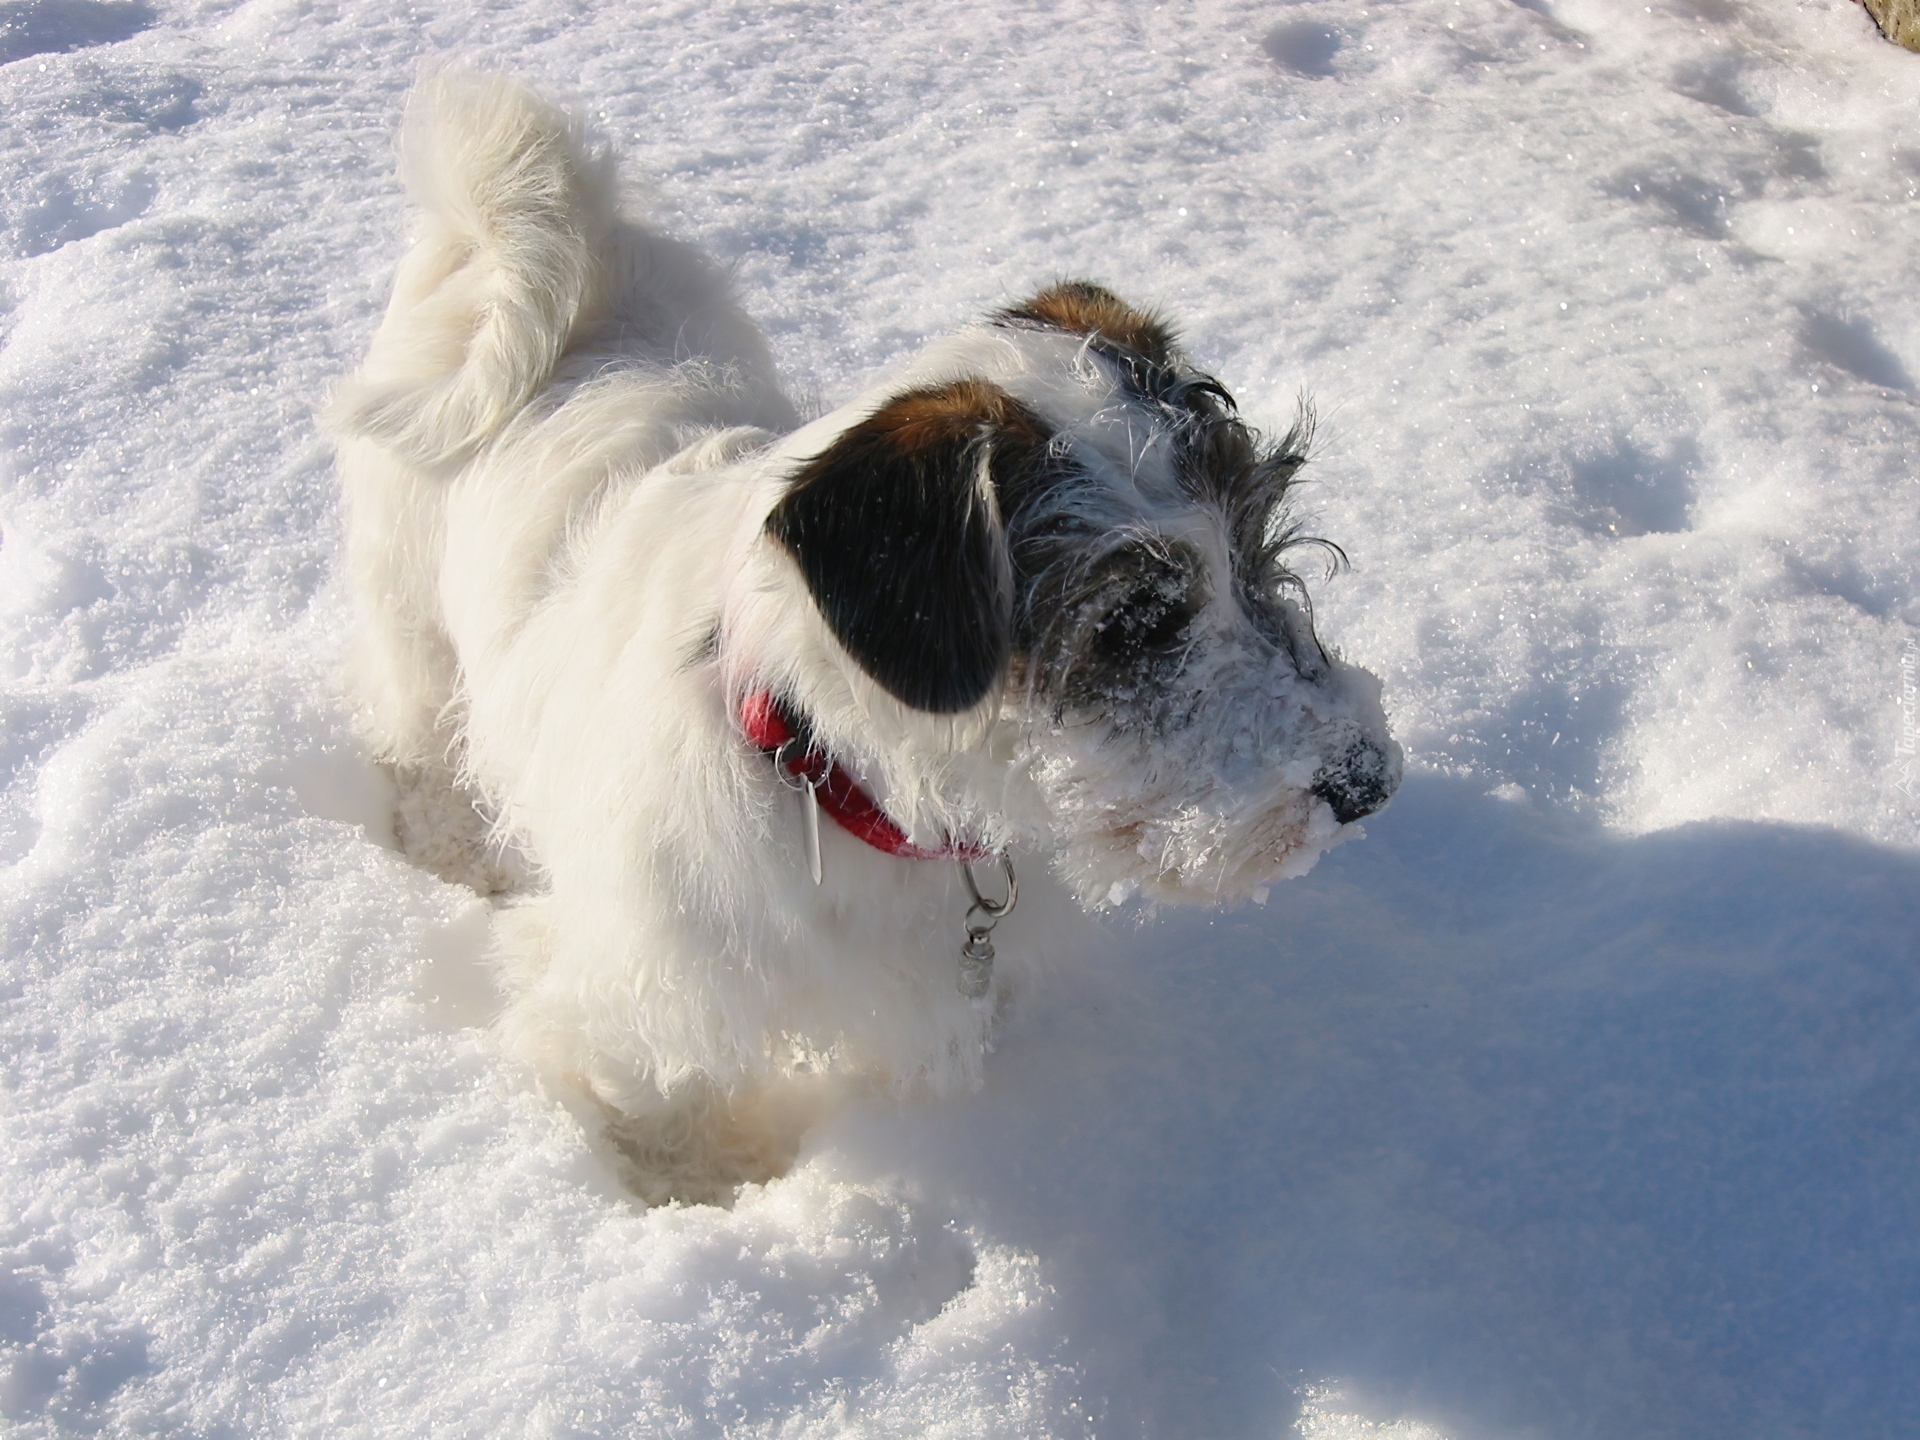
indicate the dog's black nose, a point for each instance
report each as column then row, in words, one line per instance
column 1359, row 785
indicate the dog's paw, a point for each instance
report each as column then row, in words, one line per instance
column 700, row 1144
column 441, row 827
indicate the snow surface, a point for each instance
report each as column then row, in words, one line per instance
column 1582, row 1099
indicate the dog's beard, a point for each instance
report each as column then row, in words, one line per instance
column 1203, row 791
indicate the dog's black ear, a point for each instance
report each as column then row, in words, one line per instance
column 897, row 528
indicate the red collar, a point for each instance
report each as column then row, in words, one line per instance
column 770, row 728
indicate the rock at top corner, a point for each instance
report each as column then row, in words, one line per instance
column 1899, row 20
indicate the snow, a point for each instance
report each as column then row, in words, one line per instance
column 1581, row 1099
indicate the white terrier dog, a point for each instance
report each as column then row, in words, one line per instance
column 1027, row 597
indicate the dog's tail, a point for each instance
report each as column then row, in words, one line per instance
column 518, row 205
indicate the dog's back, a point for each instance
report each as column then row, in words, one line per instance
column 525, row 291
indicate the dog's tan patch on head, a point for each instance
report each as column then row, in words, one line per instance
column 1082, row 308
column 924, row 420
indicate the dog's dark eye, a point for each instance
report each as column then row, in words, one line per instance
column 1124, row 626
column 1150, row 620
column 1143, row 611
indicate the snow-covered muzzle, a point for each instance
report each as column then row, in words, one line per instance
column 1187, row 753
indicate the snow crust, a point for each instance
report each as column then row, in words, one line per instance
column 1579, row 1100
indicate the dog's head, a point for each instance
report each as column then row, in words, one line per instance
column 1054, row 552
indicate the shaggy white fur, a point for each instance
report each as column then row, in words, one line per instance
column 562, row 463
